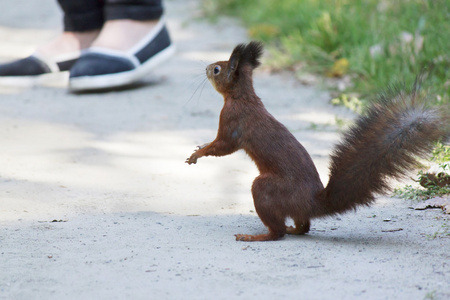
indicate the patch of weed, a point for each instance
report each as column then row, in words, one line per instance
column 374, row 42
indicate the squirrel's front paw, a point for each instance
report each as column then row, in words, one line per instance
column 192, row 159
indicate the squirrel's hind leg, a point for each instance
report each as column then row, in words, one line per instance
column 277, row 229
column 265, row 191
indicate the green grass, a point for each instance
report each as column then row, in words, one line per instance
column 441, row 156
column 376, row 42
column 419, row 193
column 444, row 231
column 441, row 153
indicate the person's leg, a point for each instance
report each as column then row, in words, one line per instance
column 127, row 22
column 82, row 22
column 133, row 40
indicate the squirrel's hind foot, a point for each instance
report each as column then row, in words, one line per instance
column 257, row 238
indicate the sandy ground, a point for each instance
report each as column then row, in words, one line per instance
column 136, row 222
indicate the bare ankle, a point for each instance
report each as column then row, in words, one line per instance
column 86, row 38
column 68, row 42
column 122, row 35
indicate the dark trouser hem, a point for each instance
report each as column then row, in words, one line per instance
column 137, row 12
column 82, row 15
column 86, row 15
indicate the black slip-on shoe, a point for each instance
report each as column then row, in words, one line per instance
column 37, row 69
column 101, row 68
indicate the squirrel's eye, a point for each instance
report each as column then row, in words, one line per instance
column 216, row 70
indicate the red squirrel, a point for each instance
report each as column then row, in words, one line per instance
column 382, row 144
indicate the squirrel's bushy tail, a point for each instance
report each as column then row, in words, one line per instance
column 384, row 143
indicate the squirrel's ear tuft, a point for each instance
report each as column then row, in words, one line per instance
column 246, row 54
column 252, row 53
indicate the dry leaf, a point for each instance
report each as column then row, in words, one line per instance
column 438, row 202
column 339, row 68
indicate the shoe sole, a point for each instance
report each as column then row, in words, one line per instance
column 106, row 81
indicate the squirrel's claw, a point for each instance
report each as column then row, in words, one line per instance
column 243, row 237
column 192, row 159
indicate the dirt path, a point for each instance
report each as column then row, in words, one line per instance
column 136, row 222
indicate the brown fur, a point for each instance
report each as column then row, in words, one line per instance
column 381, row 144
